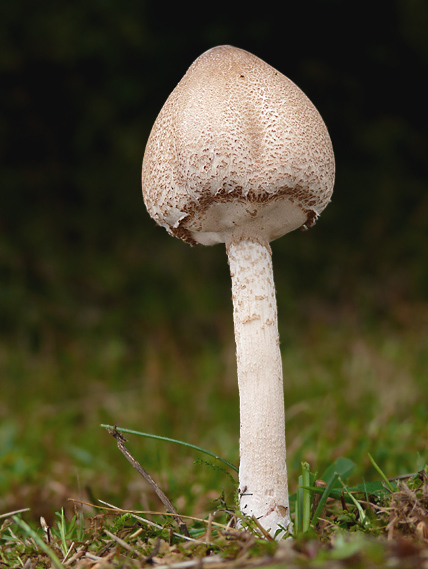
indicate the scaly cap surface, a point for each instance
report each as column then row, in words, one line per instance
column 237, row 150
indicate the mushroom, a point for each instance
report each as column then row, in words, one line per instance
column 239, row 155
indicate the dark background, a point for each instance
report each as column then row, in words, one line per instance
column 104, row 318
column 82, row 83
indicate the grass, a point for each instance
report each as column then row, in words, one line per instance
column 163, row 362
column 365, row 526
column 349, row 393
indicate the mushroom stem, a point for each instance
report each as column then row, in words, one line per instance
column 263, row 483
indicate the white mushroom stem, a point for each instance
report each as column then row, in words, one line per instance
column 239, row 155
column 262, row 472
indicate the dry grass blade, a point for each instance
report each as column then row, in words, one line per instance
column 139, row 518
column 79, row 553
column 201, row 562
column 408, row 511
column 118, row 540
column 10, row 514
column 108, row 506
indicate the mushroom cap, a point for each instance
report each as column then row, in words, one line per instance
column 237, row 151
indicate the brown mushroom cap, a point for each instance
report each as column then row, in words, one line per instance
column 237, row 150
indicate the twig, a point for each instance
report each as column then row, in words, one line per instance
column 262, row 529
column 120, row 439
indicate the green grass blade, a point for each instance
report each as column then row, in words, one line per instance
column 63, row 532
column 168, row 440
column 364, row 520
column 381, row 473
column 302, row 510
column 324, row 497
column 306, row 497
column 298, row 507
column 39, row 541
